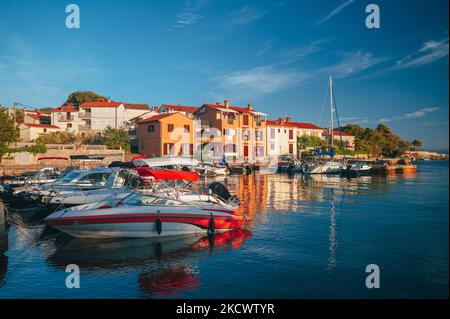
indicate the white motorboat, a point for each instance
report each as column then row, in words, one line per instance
column 329, row 167
column 209, row 169
column 169, row 162
column 145, row 215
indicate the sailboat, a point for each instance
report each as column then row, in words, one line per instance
column 327, row 166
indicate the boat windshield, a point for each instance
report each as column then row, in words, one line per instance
column 138, row 199
column 70, row 177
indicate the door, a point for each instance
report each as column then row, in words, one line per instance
column 245, row 150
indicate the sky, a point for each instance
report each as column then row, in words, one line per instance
column 276, row 55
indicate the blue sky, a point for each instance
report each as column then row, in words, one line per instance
column 276, row 55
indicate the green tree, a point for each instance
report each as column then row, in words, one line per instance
column 57, row 138
column 80, row 97
column 117, row 139
column 7, row 132
column 38, row 148
column 416, row 143
column 305, row 141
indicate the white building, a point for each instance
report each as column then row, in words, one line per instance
column 281, row 138
column 29, row 132
column 96, row 116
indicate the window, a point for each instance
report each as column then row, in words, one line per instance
column 272, row 146
column 259, row 135
column 45, row 130
column 151, row 128
column 187, row 149
column 94, row 179
column 168, row 147
column 69, row 125
column 291, row 148
column 245, row 135
column 259, row 151
column 187, row 129
column 291, row 134
column 272, row 133
column 170, row 127
column 245, row 119
column 279, row 130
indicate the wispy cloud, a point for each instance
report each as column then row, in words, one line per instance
column 335, row 11
column 412, row 115
column 244, row 16
column 189, row 15
column 298, row 53
column 430, row 52
column 266, row 46
column 259, row 81
column 352, row 63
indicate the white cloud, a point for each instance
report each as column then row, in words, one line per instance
column 412, row 115
column 253, row 83
column 335, row 11
column 352, row 63
column 430, row 52
column 299, row 53
column 243, row 16
column 266, row 46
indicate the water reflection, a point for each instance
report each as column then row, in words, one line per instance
column 3, row 250
column 166, row 265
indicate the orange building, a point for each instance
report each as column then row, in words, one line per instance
column 233, row 132
column 166, row 135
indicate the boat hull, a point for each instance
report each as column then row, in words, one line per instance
column 121, row 223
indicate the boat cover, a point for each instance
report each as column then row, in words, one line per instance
column 167, row 174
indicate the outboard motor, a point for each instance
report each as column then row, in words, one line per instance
column 220, row 190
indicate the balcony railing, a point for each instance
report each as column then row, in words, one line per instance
column 85, row 127
column 65, row 118
column 84, row 115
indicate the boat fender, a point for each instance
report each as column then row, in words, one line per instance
column 211, row 225
column 158, row 224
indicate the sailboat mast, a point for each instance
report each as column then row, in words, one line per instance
column 331, row 111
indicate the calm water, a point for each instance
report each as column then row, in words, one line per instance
column 311, row 238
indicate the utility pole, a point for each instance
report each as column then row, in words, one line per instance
column 14, row 122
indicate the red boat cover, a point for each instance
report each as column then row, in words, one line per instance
column 53, row 158
column 139, row 157
column 167, row 174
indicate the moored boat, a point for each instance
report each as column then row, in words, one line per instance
column 146, row 215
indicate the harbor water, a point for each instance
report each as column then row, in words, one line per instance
column 311, row 237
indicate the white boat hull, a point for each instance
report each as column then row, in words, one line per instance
column 327, row 168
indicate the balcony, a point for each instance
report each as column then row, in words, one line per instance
column 85, row 127
column 65, row 118
column 84, row 115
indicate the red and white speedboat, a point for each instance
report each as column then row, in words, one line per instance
column 146, row 215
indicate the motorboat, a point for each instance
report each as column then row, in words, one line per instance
column 168, row 162
column 328, row 167
column 146, row 215
column 210, row 169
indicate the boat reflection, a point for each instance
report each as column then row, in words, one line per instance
column 166, row 266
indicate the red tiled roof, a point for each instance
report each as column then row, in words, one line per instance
column 294, row 124
column 101, row 104
column 181, row 108
column 131, row 106
column 41, row 125
column 156, row 118
column 336, row 132
column 234, row 108
column 65, row 108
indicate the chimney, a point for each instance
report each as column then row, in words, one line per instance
column 288, row 118
column 109, row 100
column 250, row 107
column 155, row 109
column 281, row 121
column 227, row 104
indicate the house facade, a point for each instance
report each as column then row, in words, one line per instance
column 233, row 132
column 97, row 116
column 66, row 117
column 29, row 132
column 167, row 134
column 281, row 138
